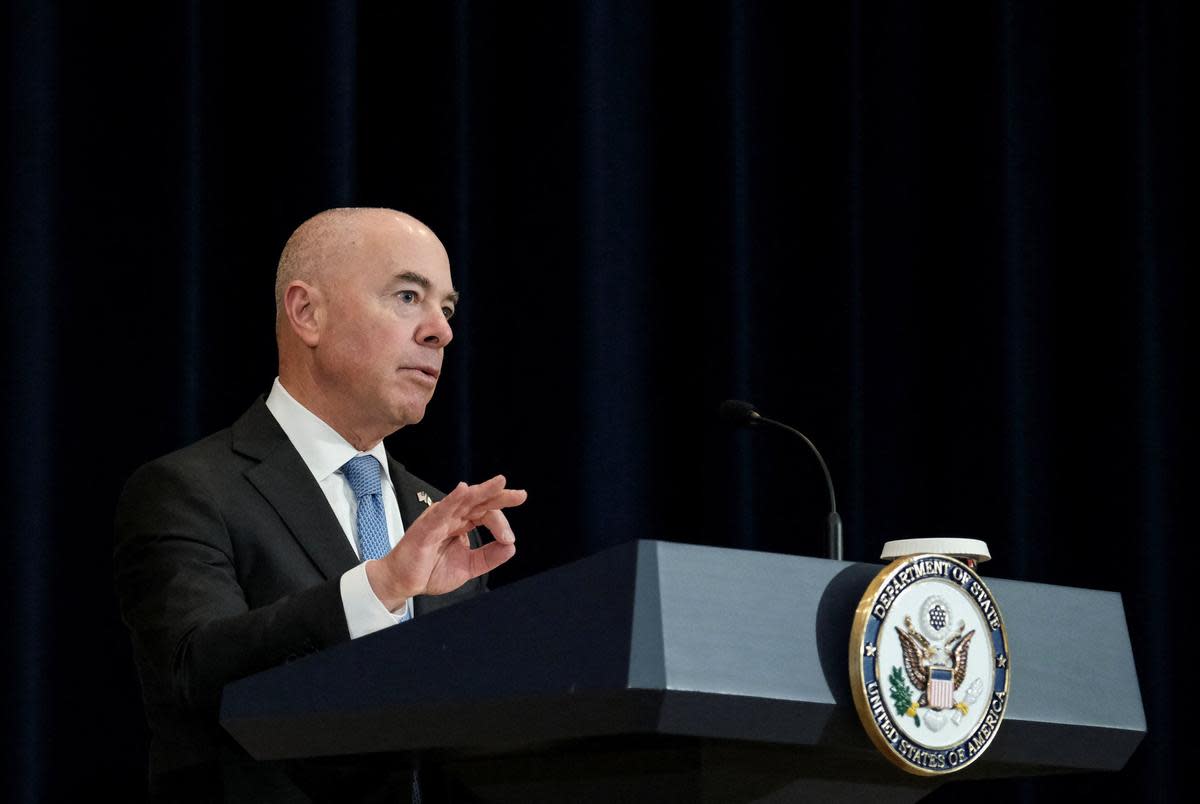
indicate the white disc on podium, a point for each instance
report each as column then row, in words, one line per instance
column 974, row 549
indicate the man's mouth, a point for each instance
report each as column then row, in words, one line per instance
column 427, row 371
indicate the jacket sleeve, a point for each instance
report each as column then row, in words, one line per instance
column 179, row 593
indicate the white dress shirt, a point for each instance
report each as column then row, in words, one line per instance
column 325, row 452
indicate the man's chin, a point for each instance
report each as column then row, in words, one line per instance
column 409, row 413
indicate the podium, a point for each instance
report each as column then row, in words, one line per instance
column 658, row 671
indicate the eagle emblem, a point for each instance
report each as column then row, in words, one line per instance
column 935, row 662
column 937, row 671
column 929, row 663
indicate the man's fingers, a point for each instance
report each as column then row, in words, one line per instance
column 471, row 502
column 467, row 507
column 438, row 542
column 490, row 556
column 497, row 525
column 465, row 498
column 508, row 498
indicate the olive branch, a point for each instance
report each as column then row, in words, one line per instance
column 902, row 695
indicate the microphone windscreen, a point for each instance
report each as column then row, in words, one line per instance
column 737, row 413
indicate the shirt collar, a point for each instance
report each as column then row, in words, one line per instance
column 322, row 448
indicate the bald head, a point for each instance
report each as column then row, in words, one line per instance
column 363, row 301
column 325, row 242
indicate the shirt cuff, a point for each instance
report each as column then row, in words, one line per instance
column 365, row 613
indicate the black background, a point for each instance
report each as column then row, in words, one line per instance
column 945, row 240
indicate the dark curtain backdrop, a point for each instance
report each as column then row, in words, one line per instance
column 947, row 241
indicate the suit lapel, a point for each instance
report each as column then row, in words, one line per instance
column 283, row 479
column 407, row 488
column 407, row 492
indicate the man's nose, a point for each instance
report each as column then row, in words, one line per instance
column 435, row 330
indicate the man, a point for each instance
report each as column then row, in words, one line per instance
column 294, row 530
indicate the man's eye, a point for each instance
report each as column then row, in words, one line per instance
column 407, row 296
column 448, row 312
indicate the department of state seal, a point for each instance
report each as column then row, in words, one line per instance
column 929, row 665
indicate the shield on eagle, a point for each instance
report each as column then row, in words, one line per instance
column 941, row 688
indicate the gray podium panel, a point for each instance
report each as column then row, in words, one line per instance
column 660, row 668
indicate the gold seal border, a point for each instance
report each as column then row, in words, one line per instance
column 858, row 682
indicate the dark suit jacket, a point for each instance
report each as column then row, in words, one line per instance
column 228, row 561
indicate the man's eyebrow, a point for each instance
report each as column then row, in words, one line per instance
column 415, row 278
column 425, row 284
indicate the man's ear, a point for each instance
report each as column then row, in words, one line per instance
column 304, row 305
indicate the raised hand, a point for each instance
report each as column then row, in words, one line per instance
column 435, row 557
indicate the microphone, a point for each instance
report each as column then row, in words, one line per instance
column 742, row 414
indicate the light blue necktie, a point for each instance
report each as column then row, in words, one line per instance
column 364, row 474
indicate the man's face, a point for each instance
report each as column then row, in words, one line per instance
column 388, row 299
